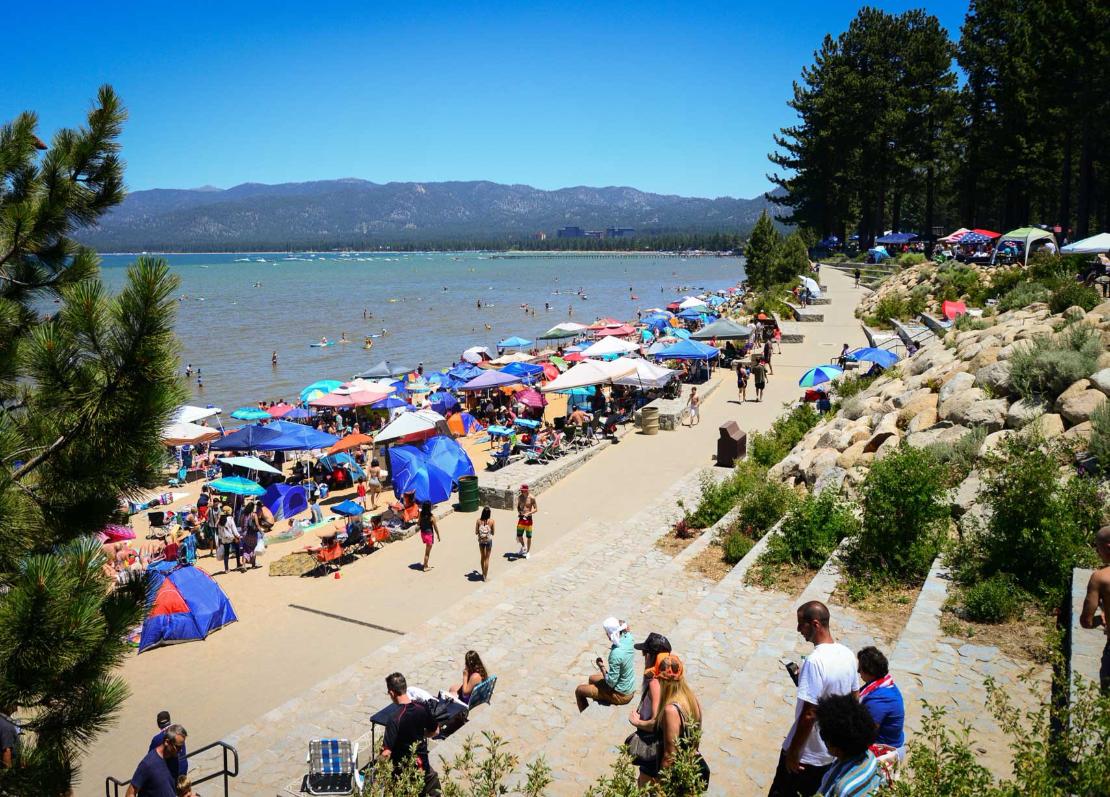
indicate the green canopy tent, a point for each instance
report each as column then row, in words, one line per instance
column 1025, row 237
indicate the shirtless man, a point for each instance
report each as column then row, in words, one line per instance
column 1098, row 594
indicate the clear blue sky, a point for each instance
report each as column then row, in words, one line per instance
column 679, row 97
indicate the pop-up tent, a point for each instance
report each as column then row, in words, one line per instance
column 285, row 500
column 1024, row 237
column 1089, row 246
column 185, row 604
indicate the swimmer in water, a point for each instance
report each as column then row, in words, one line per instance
column 323, row 341
column 273, row 359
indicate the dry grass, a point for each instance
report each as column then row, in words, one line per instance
column 885, row 609
column 671, row 544
column 787, row 577
column 710, row 563
column 1028, row 638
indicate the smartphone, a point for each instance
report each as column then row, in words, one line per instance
column 792, row 670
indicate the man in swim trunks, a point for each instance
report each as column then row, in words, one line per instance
column 1098, row 595
column 526, row 507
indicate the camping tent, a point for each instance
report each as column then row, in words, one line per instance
column 1089, row 246
column 285, row 500
column 185, row 604
column 1024, row 237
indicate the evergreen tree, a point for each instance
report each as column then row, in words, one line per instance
column 761, row 253
column 792, row 258
column 84, row 394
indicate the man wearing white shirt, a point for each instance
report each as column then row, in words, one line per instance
column 829, row 670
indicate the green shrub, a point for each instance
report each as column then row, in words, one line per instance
column 1100, row 436
column 851, row 384
column 957, row 281
column 1073, row 294
column 736, row 546
column 958, row 457
column 910, row 259
column 1048, row 365
column 904, row 518
column 811, row 532
column 763, row 507
column 1022, row 295
column 718, row 497
column 1040, row 524
column 968, row 323
column 768, row 448
column 993, row 600
column 891, row 305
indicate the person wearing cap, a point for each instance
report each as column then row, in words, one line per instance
column 616, row 683
column 643, row 717
column 526, row 507
column 178, row 764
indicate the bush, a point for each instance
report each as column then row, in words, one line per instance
column 968, row 323
column 910, row 259
column 993, row 600
column 811, row 532
column 763, row 507
column 904, row 518
column 736, row 546
column 718, row 497
column 1073, row 294
column 1023, row 295
column 891, row 305
column 957, row 281
column 1048, row 365
column 768, row 448
column 1100, row 436
column 851, row 384
column 1004, row 280
column 1040, row 524
column 958, row 458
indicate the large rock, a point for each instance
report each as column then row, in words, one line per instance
column 992, row 441
column 923, row 420
column 959, row 383
column 831, row 479
column 957, row 404
column 823, row 459
column 989, row 414
column 1101, row 380
column 1102, row 309
column 995, row 378
column 1073, row 389
column 963, row 497
column 922, row 400
column 1077, row 407
column 1080, row 433
column 852, row 455
column 1049, row 425
column 1022, row 412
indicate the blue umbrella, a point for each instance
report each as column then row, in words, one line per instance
column 246, row 438
column 320, row 388
column 411, row 472
column 348, row 509
column 297, row 413
column 388, row 403
column 883, row 357
column 250, row 414
column 442, row 401
column 514, row 343
column 237, row 485
column 447, row 455
column 822, row 373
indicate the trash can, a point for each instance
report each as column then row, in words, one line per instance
column 468, row 494
column 732, row 445
column 649, row 420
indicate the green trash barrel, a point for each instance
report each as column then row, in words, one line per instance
column 468, row 494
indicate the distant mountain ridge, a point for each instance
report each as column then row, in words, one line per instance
column 354, row 212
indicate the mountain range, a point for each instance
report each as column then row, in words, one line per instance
column 358, row 213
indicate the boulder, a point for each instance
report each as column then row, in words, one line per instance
column 788, row 467
column 995, row 378
column 1077, row 407
column 994, row 440
column 887, row 447
column 1074, row 312
column 922, row 400
column 1103, row 360
column 1073, row 389
column 959, row 403
column 851, row 456
column 822, row 460
column 1080, row 433
column 923, row 420
column 1049, row 425
column 1100, row 380
column 1022, row 412
column 964, row 495
column 985, row 357
column 831, row 479
column 1102, row 309
column 958, row 383
column 989, row 414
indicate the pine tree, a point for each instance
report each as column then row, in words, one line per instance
column 761, row 253
column 84, row 394
column 792, row 258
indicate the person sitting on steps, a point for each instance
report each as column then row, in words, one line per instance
column 615, row 684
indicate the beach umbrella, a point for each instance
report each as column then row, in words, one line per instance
column 489, row 379
column 237, row 485
column 114, row 532
column 811, row 284
column 551, row 369
column 384, row 369
column 973, row 239
column 515, row 357
column 682, row 334
column 464, row 371
column 1094, row 245
column 691, row 302
column 246, row 438
column 180, row 434
column 411, row 471
column 388, row 403
column 441, row 401
column 189, row 414
column 353, row 440
column 953, row 309
column 251, row 463
column 279, row 410
column 574, row 357
column 620, row 330
column 348, row 508
column 408, row 424
column 446, row 454
column 319, row 388
column 608, row 345
column 250, row 414
column 297, row 413
column 475, row 354
column 514, row 342
column 883, row 357
column 463, row 423
column 822, row 373
column 531, row 398
column 723, row 329
column 297, row 437
column 591, row 372
column 647, row 374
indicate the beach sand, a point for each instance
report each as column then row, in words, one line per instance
column 294, row 632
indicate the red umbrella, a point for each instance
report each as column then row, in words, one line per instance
column 531, row 398
column 550, row 371
column 279, row 410
column 574, row 357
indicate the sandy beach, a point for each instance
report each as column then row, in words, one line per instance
column 294, row 632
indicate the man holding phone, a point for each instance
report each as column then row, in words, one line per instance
column 615, row 684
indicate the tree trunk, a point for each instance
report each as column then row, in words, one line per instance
column 1086, row 181
column 930, row 209
column 1064, row 214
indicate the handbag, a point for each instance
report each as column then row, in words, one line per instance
column 645, row 747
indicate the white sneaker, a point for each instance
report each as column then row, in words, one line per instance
column 521, row 552
column 526, row 554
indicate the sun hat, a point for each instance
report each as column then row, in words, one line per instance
column 613, row 628
column 655, row 643
column 669, row 668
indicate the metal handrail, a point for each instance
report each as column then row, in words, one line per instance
column 112, row 785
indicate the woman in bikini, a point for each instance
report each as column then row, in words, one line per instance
column 429, row 531
column 374, row 482
column 483, row 530
column 474, row 672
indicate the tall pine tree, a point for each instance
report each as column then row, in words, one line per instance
column 84, row 394
column 761, row 253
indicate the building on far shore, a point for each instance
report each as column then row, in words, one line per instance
column 570, row 232
column 619, row 232
column 595, row 234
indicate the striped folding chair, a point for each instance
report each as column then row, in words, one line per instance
column 332, row 767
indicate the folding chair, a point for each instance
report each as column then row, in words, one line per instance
column 332, row 767
column 179, row 479
column 483, row 692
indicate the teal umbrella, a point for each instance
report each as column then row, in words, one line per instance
column 820, row 374
column 237, row 485
column 251, row 414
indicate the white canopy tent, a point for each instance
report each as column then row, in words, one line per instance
column 691, row 301
column 607, row 346
column 1096, row 244
column 591, row 372
column 515, row 357
column 410, row 423
column 180, row 434
column 190, row 414
column 646, row 375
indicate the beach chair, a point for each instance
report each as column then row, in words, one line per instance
column 535, row 454
column 483, row 692
column 179, row 479
column 332, row 767
column 501, row 458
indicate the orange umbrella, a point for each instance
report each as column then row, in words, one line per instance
column 353, row 440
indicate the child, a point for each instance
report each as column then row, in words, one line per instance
column 362, row 493
column 185, row 787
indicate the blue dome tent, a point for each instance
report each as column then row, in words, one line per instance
column 185, row 604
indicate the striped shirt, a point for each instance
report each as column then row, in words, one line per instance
column 853, row 777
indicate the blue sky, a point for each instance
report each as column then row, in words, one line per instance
column 674, row 97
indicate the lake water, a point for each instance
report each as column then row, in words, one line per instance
column 428, row 303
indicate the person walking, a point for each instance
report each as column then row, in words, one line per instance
column 741, row 380
column 829, row 670
column 857, row 274
column 228, row 534
column 429, row 531
column 693, row 405
column 153, row 777
column 250, row 533
column 484, row 530
column 526, row 508
column 361, row 492
column 767, row 352
column 759, row 376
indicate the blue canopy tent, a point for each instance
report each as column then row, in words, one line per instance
column 884, row 357
column 297, row 413
column 688, row 350
column 694, row 314
column 348, row 508
column 897, row 238
column 716, row 301
column 514, row 342
column 185, row 604
column 297, row 437
column 680, row 333
column 285, row 500
column 411, row 472
column 247, row 438
column 528, row 372
column 464, row 372
column 442, row 401
column 489, row 379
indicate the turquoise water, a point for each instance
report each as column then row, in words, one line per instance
column 427, row 302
